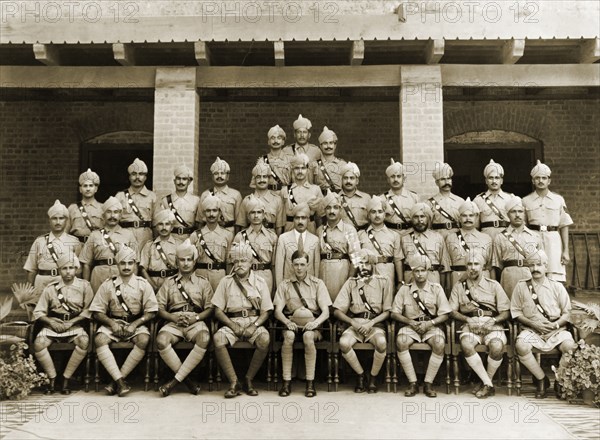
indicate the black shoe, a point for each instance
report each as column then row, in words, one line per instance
column 122, row 388
column 413, row 389
column 166, row 389
column 111, row 388
column 428, row 390
column 66, row 389
column 558, row 390
column 372, row 388
column 542, row 387
column 285, row 389
column 477, row 387
column 193, row 387
column 360, row 384
column 249, row 388
column 50, row 387
column 485, row 391
column 310, row 389
column 235, row 389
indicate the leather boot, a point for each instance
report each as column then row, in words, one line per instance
column 66, row 389
column 166, row 389
column 310, row 389
column 235, row 389
column 360, row 384
column 50, row 387
column 372, row 388
column 111, row 388
column 485, row 391
column 428, row 390
column 413, row 389
column 249, row 388
column 122, row 388
column 542, row 387
column 193, row 387
column 285, row 389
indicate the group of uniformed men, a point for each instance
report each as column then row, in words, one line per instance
column 304, row 240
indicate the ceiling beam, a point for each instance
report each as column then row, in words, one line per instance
column 512, row 51
column 357, row 53
column 47, row 54
column 590, row 51
column 434, row 51
column 203, row 53
column 279, row 52
column 124, row 54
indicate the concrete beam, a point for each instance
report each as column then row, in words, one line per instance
column 203, row 54
column 590, row 51
column 357, row 54
column 47, row 54
column 279, row 51
column 434, row 51
column 512, row 51
column 124, row 54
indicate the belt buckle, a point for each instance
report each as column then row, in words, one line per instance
column 448, row 225
column 209, row 266
column 520, row 263
column 54, row 272
column 480, row 313
column 110, row 261
column 496, row 223
column 66, row 316
column 180, row 230
column 244, row 313
column 367, row 315
column 328, row 255
column 185, row 308
column 85, row 238
column 163, row 273
column 543, row 228
column 254, row 266
column 136, row 224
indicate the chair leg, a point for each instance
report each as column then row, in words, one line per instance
column 156, row 357
column 336, row 370
column 211, row 365
column 329, row 367
column 388, row 373
column 509, row 375
column 517, row 364
column 96, row 373
column 394, row 374
column 448, row 373
column 147, row 373
column 456, row 373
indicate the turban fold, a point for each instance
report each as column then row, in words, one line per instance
column 538, row 256
column 421, row 207
column 111, row 202
column 476, row 254
column 58, row 209
column 493, row 167
column 468, row 205
column 254, row 204
column 331, row 198
column 89, row 176
column 417, row 260
column 540, row 169
column 513, row 202
column 442, row 171
column 219, row 165
column 240, row 251
column 211, row 202
column 274, row 131
column 350, row 167
column 184, row 171
column 302, row 122
column 66, row 258
column 375, row 203
column 186, row 249
column 327, row 135
column 164, row 215
column 301, row 208
column 394, row 168
column 138, row 166
column 299, row 160
column 125, row 254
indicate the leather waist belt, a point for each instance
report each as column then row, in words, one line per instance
column 481, row 313
column 83, row 238
column 458, row 268
column 275, row 187
column 136, row 224
column 364, row 315
column 382, row 259
column 447, row 225
column 495, row 224
column 182, row 230
column 543, row 228
column 107, row 262
column 324, row 191
column 334, row 256
column 186, row 308
column 127, row 318
column 512, row 263
column 64, row 316
column 424, row 318
column 362, row 227
column 211, row 266
column 261, row 266
column 433, row 268
column 51, row 272
column 245, row 313
column 163, row 273
column 290, row 218
column 229, row 224
column 398, row 226
column 269, row 225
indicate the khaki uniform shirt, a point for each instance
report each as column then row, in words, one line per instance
column 230, row 299
column 312, row 289
column 78, row 297
column 273, row 209
column 169, row 296
column 137, row 294
column 231, row 199
column 333, row 168
column 432, row 296
column 358, row 206
column 552, row 296
column 94, row 214
column 376, row 291
column 487, row 291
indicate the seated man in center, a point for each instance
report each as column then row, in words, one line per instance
column 301, row 303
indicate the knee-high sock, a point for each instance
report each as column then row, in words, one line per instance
column 287, row 356
column 353, row 361
column 476, row 364
column 310, row 360
column 529, row 361
column 135, row 356
column 76, row 357
column 434, row 365
column 257, row 360
column 192, row 359
column 407, row 365
column 378, row 359
column 108, row 360
column 492, row 366
column 44, row 358
column 170, row 358
column 225, row 363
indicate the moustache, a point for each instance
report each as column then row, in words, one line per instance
column 447, row 186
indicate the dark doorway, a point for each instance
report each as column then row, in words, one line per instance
column 110, row 161
column 468, row 162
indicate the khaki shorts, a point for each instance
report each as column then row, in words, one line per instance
column 188, row 333
column 141, row 330
column 545, row 343
column 360, row 338
column 434, row 331
column 68, row 336
column 244, row 322
column 496, row 332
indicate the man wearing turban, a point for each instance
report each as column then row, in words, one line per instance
column 492, row 203
column 302, row 131
column 157, row 259
column 86, row 215
column 301, row 191
column 399, row 199
column 138, row 203
column 444, row 204
column 326, row 171
column 354, row 201
column 278, row 163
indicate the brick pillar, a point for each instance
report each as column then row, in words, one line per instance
column 421, row 126
column 176, row 123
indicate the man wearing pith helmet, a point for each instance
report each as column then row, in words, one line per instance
column 86, row 215
column 182, row 203
column 138, row 203
column 444, row 204
column 326, row 171
column 302, row 131
column 492, row 203
column 399, row 199
column 547, row 215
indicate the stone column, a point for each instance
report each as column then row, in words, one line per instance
column 176, row 124
column 421, row 126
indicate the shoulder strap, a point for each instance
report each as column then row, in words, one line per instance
column 175, row 213
column 63, row 301
column 134, row 207
column 348, row 211
column 291, row 196
column 163, row 256
column 50, row 247
column 106, row 237
column 374, row 241
column 247, row 240
column 85, row 216
column 493, row 207
column 185, row 295
column 361, row 292
column 254, row 301
column 472, row 300
column 441, row 210
column 273, row 173
column 420, row 303
column 514, row 242
column 297, row 289
column 396, row 209
column 120, row 297
column 418, row 245
column 207, row 251
column 462, row 241
column 326, row 174
column 536, row 300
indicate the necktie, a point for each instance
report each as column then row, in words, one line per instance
column 300, row 243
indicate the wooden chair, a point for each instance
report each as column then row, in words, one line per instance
column 482, row 348
column 421, row 346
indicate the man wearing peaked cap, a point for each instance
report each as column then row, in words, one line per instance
column 467, row 239
column 182, row 203
column 184, row 303
column 482, row 306
column 86, row 215
column 547, row 215
column 385, row 246
column 542, row 306
column 262, row 239
column 326, row 171
column 301, row 191
column 123, row 305
column 157, row 259
column 423, row 242
column 335, row 267
column 444, row 204
column 46, row 249
column 492, row 203
column 271, row 200
column 138, row 203
column 400, row 199
column 242, row 305
column 299, row 238
column 62, row 310
column 354, row 201
column 421, row 307
column 513, row 245
column 230, row 198
column 279, row 168
column 99, row 252
column 302, row 132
